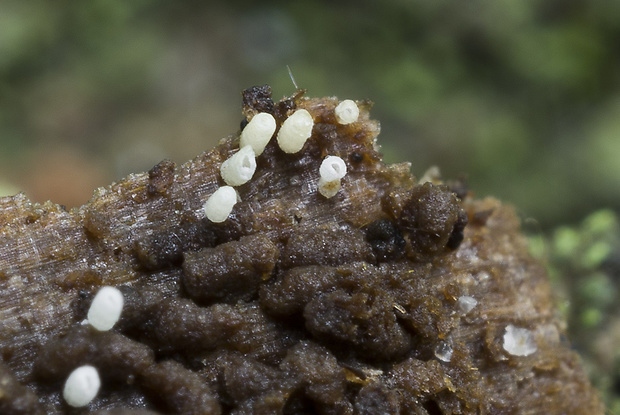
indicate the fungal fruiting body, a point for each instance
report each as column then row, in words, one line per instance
column 295, row 131
column 347, row 112
column 258, row 132
column 332, row 170
column 106, row 308
column 81, row 386
column 220, row 204
column 519, row 341
column 240, row 167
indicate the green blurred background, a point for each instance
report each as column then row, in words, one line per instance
column 520, row 97
column 523, row 97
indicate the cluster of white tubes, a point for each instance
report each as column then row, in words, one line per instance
column 83, row 384
column 292, row 136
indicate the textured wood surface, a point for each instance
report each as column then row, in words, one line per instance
column 334, row 317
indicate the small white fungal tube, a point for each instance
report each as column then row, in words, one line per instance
column 295, row 131
column 519, row 341
column 258, row 132
column 332, row 169
column 240, row 167
column 218, row 206
column 81, row 386
column 347, row 112
column 106, row 308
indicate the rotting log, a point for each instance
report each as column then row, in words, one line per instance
column 296, row 303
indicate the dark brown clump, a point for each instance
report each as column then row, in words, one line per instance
column 363, row 321
column 258, row 99
column 433, row 220
column 229, row 272
column 296, row 304
column 121, row 357
column 177, row 324
column 386, row 240
column 322, row 382
column 161, row 177
column 164, row 249
column 325, row 246
column 179, row 390
column 458, row 234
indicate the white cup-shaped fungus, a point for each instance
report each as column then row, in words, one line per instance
column 81, row 386
column 332, row 168
column 347, row 112
column 258, row 132
column 218, row 206
column 106, row 308
column 240, row 167
column 295, row 131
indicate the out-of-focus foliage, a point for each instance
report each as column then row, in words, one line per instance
column 588, row 258
column 522, row 97
column 584, row 262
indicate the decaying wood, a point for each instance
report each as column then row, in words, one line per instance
column 295, row 304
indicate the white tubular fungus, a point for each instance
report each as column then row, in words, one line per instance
column 295, row 130
column 240, row 167
column 220, row 204
column 81, row 386
column 347, row 112
column 258, row 132
column 518, row 341
column 332, row 169
column 105, row 310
